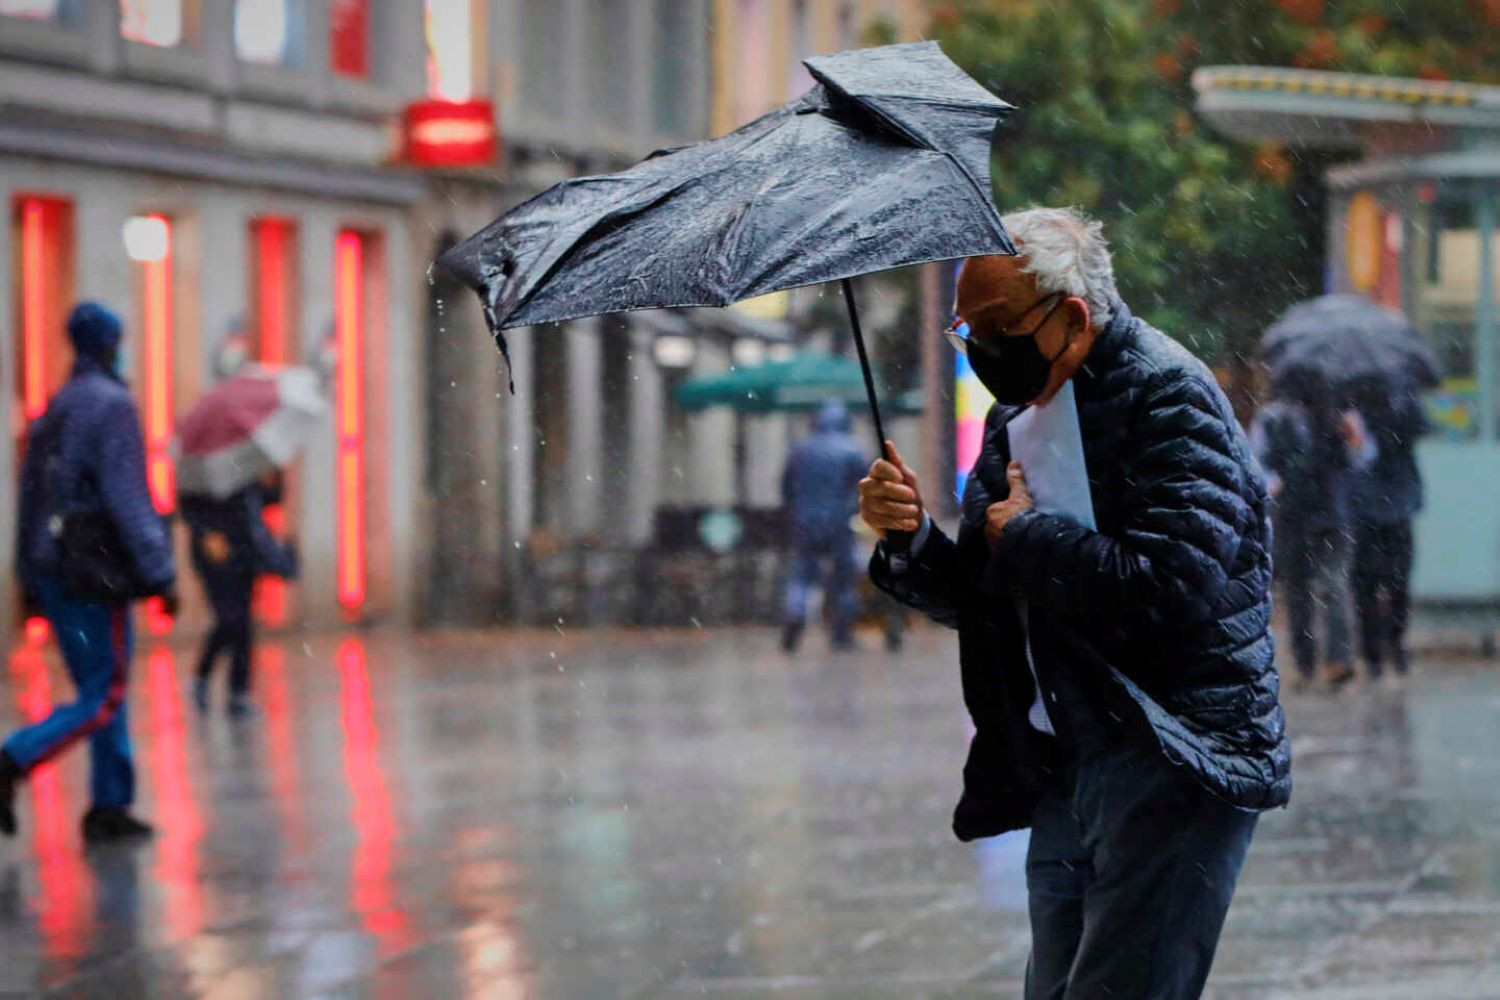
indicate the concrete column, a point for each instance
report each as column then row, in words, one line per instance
column 710, row 469
column 102, row 25
column 765, row 456
column 317, row 518
column 1487, row 371
column 647, row 426
column 223, row 299
column 520, row 443
column 403, row 351
column 585, row 428
column 319, row 27
column 216, row 40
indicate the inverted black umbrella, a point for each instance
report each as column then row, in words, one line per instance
column 884, row 163
column 1336, row 340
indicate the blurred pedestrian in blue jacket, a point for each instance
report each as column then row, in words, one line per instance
column 85, row 459
column 231, row 548
column 818, row 492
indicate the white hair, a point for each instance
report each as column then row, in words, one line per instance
column 1066, row 251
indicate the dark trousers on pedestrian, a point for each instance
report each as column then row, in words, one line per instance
column 233, row 631
column 1382, row 592
column 1130, row 872
column 1314, row 568
column 96, row 642
column 832, row 564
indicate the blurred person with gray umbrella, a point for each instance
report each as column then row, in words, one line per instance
column 233, row 445
column 1338, row 441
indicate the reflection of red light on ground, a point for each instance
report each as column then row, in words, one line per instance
column 349, row 323
column 179, row 822
column 65, row 904
column 281, row 743
column 371, row 893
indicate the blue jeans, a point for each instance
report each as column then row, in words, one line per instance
column 808, row 562
column 1130, row 871
column 96, row 642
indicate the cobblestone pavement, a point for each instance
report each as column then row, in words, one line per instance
column 577, row 814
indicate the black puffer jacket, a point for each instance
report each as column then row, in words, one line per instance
column 1158, row 623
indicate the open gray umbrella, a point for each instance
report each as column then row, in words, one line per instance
column 884, row 163
column 1336, row 340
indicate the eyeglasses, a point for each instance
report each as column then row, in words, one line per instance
column 958, row 332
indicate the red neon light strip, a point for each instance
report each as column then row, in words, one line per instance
column 271, row 247
column 157, row 281
column 349, row 332
column 34, row 306
column 273, row 239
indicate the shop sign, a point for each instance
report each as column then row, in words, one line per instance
column 450, row 133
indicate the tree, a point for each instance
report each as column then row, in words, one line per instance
column 1212, row 239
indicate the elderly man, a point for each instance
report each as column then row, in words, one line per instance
column 1121, row 680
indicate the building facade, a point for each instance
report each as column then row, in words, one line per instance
column 240, row 175
column 273, row 178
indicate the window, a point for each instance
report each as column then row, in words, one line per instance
column 161, row 23
column 271, row 32
column 349, row 38
column 451, row 69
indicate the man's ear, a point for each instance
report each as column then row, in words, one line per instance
column 1078, row 316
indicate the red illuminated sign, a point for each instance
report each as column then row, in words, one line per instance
column 450, row 133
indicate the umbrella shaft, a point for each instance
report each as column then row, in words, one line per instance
column 864, row 367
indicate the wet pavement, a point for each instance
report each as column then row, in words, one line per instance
column 607, row 814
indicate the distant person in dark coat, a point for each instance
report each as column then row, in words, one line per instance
column 817, row 490
column 85, row 456
column 1384, row 498
column 1121, row 679
column 232, row 547
column 1310, row 446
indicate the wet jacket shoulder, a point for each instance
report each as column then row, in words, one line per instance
column 1163, row 613
column 84, row 455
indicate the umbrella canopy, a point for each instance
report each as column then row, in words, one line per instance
column 1336, row 340
column 884, row 163
column 800, row 384
column 255, row 421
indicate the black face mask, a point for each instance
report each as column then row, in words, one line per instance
column 1013, row 369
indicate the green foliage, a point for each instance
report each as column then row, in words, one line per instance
column 1212, row 239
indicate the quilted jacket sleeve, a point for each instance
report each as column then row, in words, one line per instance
column 932, row 580
column 121, row 475
column 1169, row 562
